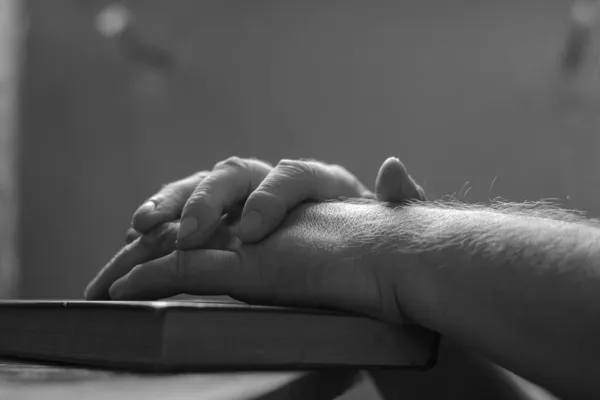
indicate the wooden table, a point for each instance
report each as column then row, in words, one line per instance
column 24, row 381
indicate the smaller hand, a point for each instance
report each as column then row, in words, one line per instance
column 264, row 193
column 281, row 188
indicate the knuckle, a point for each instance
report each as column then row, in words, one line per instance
column 200, row 175
column 232, row 162
column 295, row 168
column 341, row 173
column 288, row 163
column 257, row 163
column 338, row 169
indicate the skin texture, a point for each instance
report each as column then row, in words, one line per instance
column 517, row 286
column 276, row 191
column 323, row 245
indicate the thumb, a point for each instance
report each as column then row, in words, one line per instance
column 394, row 184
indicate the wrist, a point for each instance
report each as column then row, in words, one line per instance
column 412, row 265
column 394, row 264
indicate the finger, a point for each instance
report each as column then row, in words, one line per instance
column 131, row 235
column 287, row 185
column 167, row 204
column 229, row 184
column 394, row 184
column 196, row 272
column 155, row 244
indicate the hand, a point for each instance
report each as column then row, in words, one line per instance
column 332, row 255
column 392, row 184
column 265, row 193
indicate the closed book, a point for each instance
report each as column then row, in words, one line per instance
column 207, row 335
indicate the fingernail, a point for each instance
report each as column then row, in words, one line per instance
column 251, row 222
column 147, row 207
column 187, row 226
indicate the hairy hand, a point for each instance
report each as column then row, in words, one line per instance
column 331, row 255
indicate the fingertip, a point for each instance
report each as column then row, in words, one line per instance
column 393, row 183
column 144, row 218
column 94, row 292
column 87, row 293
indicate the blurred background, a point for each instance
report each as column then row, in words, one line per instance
column 103, row 102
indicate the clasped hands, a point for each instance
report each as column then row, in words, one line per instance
column 265, row 235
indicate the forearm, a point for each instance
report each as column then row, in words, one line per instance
column 524, row 290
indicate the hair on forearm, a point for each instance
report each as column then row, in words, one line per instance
column 539, row 209
column 423, row 228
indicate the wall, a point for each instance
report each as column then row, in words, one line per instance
column 461, row 93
